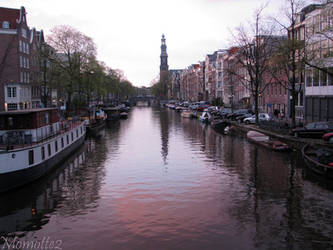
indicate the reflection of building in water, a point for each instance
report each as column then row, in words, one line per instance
column 164, row 123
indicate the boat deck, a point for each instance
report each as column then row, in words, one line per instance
column 65, row 126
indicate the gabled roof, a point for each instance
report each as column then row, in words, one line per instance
column 10, row 15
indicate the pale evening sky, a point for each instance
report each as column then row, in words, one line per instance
column 128, row 32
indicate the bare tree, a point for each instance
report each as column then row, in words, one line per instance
column 252, row 61
column 288, row 62
column 74, row 51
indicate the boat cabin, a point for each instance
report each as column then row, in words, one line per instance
column 28, row 126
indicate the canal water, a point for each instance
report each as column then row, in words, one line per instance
column 159, row 181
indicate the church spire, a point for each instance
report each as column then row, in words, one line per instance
column 164, row 55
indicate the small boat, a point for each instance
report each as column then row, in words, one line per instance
column 219, row 125
column 264, row 140
column 205, row 117
column 186, row 113
column 319, row 160
column 123, row 115
column 96, row 123
column 34, row 141
column 113, row 113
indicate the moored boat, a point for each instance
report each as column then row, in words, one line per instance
column 206, row 117
column 319, row 160
column 186, row 113
column 264, row 140
column 123, row 115
column 96, row 123
column 34, row 141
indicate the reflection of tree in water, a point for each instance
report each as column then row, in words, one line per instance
column 69, row 189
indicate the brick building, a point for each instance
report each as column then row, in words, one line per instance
column 16, row 43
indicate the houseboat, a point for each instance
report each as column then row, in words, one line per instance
column 34, row 141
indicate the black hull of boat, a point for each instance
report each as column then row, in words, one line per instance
column 19, row 178
column 95, row 129
column 316, row 166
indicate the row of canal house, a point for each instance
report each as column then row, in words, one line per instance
column 209, row 79
column 20, row 60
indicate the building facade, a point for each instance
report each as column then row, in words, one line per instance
column 317, row 20
column 19, row 65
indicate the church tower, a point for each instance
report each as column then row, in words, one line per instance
column 164, row 56
column 164, row 69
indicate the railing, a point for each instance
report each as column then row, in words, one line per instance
column 278, row 126
column 17, row 139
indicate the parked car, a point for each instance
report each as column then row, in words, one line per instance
column 328, row 137
column 225, row 112
column 202, row 106
column 313, row 130
column 194, row 106
column 261, row 116
column 241, row 118
column 237, row 113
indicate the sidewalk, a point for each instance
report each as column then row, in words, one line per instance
column 294, row 142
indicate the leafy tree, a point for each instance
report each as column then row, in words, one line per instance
column 74, row 52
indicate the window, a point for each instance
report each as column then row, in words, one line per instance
column 323, row 78
column 21, row 61
column 5, row 25
column 77, row 133
column 31, row 157
column 56, row 146
column 49, row 149
column 308, row 75
column 21, row 77
column 67, row 137
column 11, row 91
column 62, row 142
column 28, row 50
column 28, row 63
column 72, row 135
column 20, row 46
column 43, row 153
column 315, row 77
column 11, row 106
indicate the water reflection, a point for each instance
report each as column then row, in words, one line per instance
column 159, row 181
column 164, row 123
column 70, row 189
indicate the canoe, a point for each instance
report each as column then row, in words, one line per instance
column 319, row 160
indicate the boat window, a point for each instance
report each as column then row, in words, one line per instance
column 72, row 136
column 62, row 142
column 67, row 137
column 31, row 157
column 43, row 153
column 77, row 133
column 81, row 130
column 56, row 146
column 49, row 149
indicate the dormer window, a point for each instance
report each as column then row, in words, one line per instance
column 5, row 25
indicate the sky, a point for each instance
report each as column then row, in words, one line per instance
column 128, row 33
